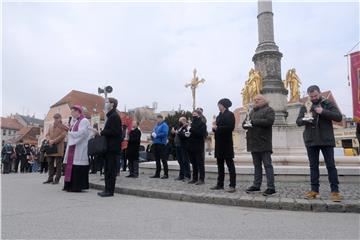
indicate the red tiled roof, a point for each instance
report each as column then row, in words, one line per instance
column 94, row 104
column 29, row 134
column 10, row 123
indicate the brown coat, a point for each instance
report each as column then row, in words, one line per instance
column 58, row 135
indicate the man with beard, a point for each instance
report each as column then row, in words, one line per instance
column 319, row 136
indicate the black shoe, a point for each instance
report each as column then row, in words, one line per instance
column 192, row 182
column 105, row 194
column 155, row 176
column 48, row 181
column 200, row 182
column 269, row 192
column 252, row 189
column 56, row 182
column 217, row 187
column 164, row 177
column 130, row 176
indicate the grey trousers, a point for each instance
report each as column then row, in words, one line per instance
column 260, row 158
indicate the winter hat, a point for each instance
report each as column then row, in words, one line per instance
column 225, row 102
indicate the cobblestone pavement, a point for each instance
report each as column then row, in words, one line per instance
column 289, row 196
column 350, row 191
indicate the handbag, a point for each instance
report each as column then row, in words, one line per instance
column 51, row 149
column 97, row 145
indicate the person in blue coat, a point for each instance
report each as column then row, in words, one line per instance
column 160, row 139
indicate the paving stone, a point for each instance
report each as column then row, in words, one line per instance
column 318, row 205
column 352, row 206
column 287, row 203
column 334, row 207
column 272, row 202
column 246, row 201
column 259, row 202
column 302, row 205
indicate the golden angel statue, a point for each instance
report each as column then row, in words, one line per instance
column 292, row 83
column 252, row 87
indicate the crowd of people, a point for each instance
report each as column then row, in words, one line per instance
column 29, row 158
column 189, row 141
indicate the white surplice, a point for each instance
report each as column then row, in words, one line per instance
column 80, row 140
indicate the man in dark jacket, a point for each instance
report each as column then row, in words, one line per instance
column 20, row 157
column 133, row 150
column 6, row 153
column 180, row 141
column 196, row 144
column 224, row 149
column 319, row 135
column 113, row 133
column 259, row 143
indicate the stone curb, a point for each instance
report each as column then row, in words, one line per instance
column 275, row 203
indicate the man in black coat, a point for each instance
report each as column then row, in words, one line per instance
column 6, row 153
column 20, row 157
column 113, row 133
column 259, row 143
column 319, row 135
column 196, row 144
column 224, row 149
column 133, row 150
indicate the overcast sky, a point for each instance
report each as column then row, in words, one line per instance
column 147, row 51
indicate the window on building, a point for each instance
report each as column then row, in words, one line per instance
column 4, row 132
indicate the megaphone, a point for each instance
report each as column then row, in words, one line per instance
column 108, row 89
column 100, row 90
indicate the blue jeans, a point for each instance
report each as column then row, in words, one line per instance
column 328, row 153
column 183, row 160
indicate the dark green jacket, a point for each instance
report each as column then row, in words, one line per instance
column 320, row 132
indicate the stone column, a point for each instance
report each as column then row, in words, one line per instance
column 267, row 60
